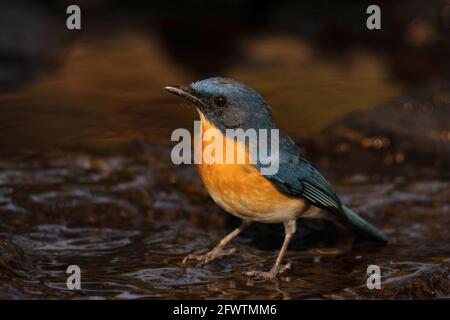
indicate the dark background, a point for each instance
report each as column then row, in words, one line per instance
column 313, row 61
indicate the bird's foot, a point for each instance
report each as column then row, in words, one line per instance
column 209, row 256
column 272, row 274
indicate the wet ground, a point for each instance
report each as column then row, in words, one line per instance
column 128, row 221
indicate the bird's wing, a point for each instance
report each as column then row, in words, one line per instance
column 298, row 178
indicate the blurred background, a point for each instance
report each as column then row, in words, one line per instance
column 85, row 128
column 314, row 62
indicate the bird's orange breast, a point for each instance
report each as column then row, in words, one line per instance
column 242, row 191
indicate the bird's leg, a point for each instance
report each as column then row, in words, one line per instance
column 289, row 228
column 218, row 250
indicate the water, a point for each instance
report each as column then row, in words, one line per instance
column 128, row 221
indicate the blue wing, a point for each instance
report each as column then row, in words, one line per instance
column 298, row 178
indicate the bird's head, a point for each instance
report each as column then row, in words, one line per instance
column 227, row 103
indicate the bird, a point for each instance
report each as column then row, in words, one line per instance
column 296, row 189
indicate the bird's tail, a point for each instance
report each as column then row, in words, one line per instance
column 362, row 227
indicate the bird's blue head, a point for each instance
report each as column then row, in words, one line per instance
column 227, row 103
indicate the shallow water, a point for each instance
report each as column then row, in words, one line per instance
column 129, row 221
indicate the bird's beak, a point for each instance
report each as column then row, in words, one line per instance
column 186, row 93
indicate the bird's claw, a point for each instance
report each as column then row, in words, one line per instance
column 272, row 274
column 209, row 256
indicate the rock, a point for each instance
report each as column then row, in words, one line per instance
column 409, row 136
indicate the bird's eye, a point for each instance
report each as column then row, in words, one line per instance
column 220, row 101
